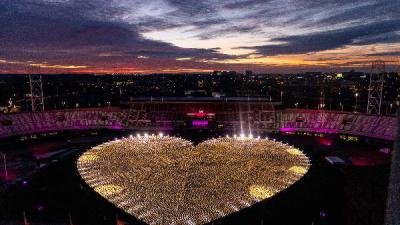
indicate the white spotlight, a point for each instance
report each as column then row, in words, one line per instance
column 161, row 134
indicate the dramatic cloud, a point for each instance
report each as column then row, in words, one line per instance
column 169, row 35
column 385, row 54
column 50, row 28
column 379, row 32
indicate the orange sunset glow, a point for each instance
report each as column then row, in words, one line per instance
column 165, row 36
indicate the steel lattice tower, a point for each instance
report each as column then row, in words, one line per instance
column 37, row 100
column 375, row 89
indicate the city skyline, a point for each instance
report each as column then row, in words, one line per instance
column 168, row 36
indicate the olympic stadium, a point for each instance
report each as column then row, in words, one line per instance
column 195, row 161
column 191, row 112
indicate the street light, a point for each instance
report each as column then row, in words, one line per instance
column 356, row 105
column 5, row 165
column 296, row 104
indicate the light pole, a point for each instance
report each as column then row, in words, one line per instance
column 281, row 97
column 356, row 105
column 5, row 165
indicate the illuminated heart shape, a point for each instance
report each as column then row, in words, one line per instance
column 167, row 180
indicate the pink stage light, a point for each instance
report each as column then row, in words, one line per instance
column 200, row 123
column 287, row 129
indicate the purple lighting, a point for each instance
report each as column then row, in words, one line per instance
column 321, row 130
column 40, row 208
column 116, row 126
column 385, row 150
column 316, row 130
column 287, row 129
column 200, row 123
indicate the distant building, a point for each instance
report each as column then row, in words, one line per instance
column 313, row 73
column 352, row 75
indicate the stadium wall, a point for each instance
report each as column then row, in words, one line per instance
column 290, row 120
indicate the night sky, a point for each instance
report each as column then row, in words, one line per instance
column 163, row 36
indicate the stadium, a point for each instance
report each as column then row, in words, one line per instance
column 343, row 151
column 228, row 112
